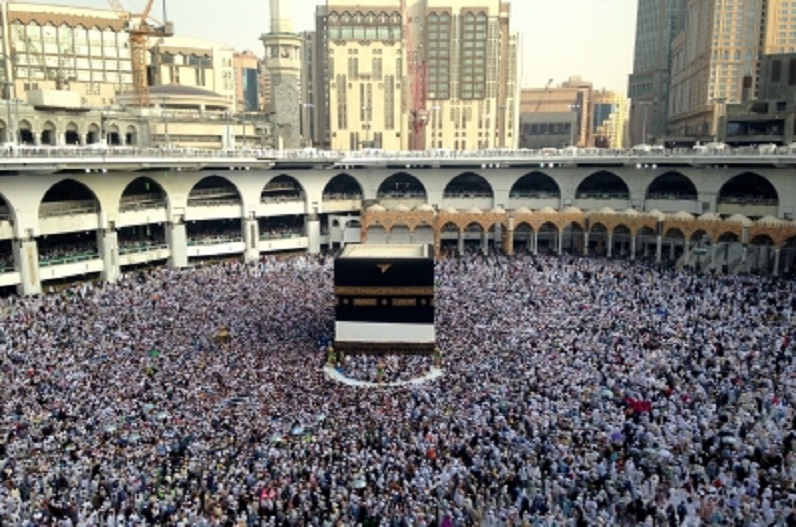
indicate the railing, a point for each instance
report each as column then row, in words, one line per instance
column 672, row 196
column 67, row 208
column 212, row 202
column 602, row 195
column 534, row 195
column 214, row 240
column 747, row 200
column 467, row 194
column 281, row 199
column 143, row 247
column 281, row 236
column 341, row 196
column 73, row 258
column 141, row 202
column 98, row 150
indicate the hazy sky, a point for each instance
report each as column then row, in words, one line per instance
column 590, row 38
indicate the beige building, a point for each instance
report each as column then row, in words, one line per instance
column 418, row 74
column 556, row 116
column 64, row 48
column 716, row 60
column 195, row 63
column 610, row 122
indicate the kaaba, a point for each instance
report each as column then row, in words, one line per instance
column 384, row 299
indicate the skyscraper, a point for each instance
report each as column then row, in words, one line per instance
column 657, row 24
column 716, row 59
column 403, row 74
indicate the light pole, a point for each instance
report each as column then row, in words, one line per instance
column 574, row 108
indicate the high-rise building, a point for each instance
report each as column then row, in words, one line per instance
column 64, row 48
column 246, row 68
column 283, row 62
column 716, row 59
column 609, row 122
column 657, row 24
column 310, row 135
column 413, row 74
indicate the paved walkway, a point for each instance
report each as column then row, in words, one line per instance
column 339, row 377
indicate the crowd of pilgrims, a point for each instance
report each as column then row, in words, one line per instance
column 576, row 392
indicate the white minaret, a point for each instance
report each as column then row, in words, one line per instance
column 283, row 62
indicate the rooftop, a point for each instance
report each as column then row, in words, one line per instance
column 372, row 250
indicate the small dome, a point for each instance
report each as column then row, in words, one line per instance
column 658, row 215
column 547, row 210
column 606, row 210
column 451, row 210
column 376, row 208
column 401, row 208
column 522, row 210
column 631, row 212
column 740, row 218
column 425, row 207
column 682, row 215
column 572, row 210
column 474, row 210
column 498, row 210
column 772, row 221
column 709, row 216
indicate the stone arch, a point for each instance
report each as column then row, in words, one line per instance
column 468, row 184
column 48, row 132
column 603, row 185
column 342, row 186
column 535, row 184
column 672, row 185
column 68, row 196
column 748, row 188
column 131, row 135
column 214, row 190
column 72, row 134
column 25, row 132
column 282, row 188
column 402, row 185
column 376, row 233
column 143, row 193
column 547, row 236
column 400, row 233
column 93, row 135
column 762, row 239
column 6, row 210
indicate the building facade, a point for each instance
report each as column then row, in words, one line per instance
column 556, row 117
column 771, row 117
column 418, row 74
column 246, row 66
column 716, row 60
column 64, row 48
column 657, row 24
column 609, row 122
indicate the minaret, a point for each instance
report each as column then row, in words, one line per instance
column 283, row 62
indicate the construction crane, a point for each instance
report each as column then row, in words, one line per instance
column 417, row 71
column 541, row 97
column 140, row 27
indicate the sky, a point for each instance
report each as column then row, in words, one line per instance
column 561, row 38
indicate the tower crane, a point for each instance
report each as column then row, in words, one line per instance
column 141, row 26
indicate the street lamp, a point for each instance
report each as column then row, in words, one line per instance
column 574, row 108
